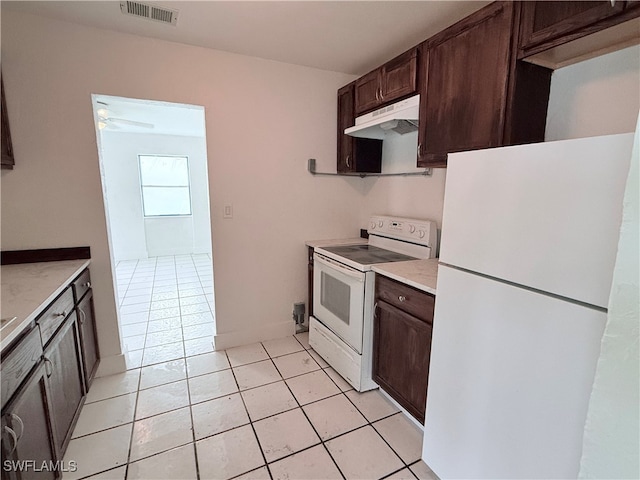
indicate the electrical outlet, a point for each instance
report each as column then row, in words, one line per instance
column 228, row 211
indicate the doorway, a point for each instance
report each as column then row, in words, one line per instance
column 153, row 166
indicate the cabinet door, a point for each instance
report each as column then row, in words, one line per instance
column 346, row 118
column 26, row 431
column 88, row 338
column 367, row 91
column 423, row 82
column 65, row 385
column 355, row 155
column 467, row 86
column 7, row 149
column 401, row 351
column 548, row 22
column 399, row 76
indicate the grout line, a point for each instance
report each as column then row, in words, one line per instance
column 253, row 428
column 193, row 424
column 399, row 470
column 310, row 423
column 385, row 440
column 371, row 422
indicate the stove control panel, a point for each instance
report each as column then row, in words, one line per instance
column 420, row 231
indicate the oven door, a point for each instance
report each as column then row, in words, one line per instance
column 338, row 299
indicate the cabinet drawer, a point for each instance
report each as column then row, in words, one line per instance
column 406, row 298
column 17, row 364
column 82, row 284
column 55, row 314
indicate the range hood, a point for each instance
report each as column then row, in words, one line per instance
column 400, row 117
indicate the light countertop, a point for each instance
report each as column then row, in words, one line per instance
column 28, row 288
column 421, row 274
column 334, row 242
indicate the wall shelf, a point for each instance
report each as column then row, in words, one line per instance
column 311, row 167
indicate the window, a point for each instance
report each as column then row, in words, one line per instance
column 165, row 185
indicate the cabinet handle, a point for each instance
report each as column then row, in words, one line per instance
column 14, row 437
column 377, row 96
column 402, row 298
column 19, row 421
column 348, row 158
column 88, row 284
column 63, row 314
column 419, row 148
column 381, row 94
column 47, row 365
column 83, row 316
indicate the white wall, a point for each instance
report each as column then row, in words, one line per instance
column 611, row 438
column 134, row 236
column 600, row 96
column 412, row 196
column 264, row 119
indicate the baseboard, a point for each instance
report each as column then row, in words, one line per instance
column 111, row 365
column 222, row 341
column 169, row 251
column 132, row 255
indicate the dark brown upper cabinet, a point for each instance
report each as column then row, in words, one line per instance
column 557, row 34
column 423, row 77
column 549, row 23
column 473, row 92
column 484, row 82
column 355, row 155
column 394, row 80
column 7, row 149
column 467, row 85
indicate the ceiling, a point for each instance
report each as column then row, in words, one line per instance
column 351, row 37
column 343, row 36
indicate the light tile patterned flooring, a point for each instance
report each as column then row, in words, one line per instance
column 269, row 410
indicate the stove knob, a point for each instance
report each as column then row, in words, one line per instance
column 380, row 223
column 421, row 233
column 372, row 225
column 412, row 228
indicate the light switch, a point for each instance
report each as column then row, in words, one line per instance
column 228, row 211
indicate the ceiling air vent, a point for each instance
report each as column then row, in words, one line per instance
column 151, row 12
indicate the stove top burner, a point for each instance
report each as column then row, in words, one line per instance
column 367, row 254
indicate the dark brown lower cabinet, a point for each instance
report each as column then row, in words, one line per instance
column 401, row 352
column 310, row 280
column 43, row 389
column 26, row 431
column 88, row 336
column 65, row 382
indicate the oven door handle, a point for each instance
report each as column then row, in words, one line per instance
column 338, row 266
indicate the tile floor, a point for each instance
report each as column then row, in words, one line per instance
column 269, row 410
column 166, row 308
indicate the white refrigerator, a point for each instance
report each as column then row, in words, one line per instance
column 529, row 240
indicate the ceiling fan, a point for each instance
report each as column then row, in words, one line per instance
column 105, row 119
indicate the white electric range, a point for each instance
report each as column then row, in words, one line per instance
column 341, row 328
